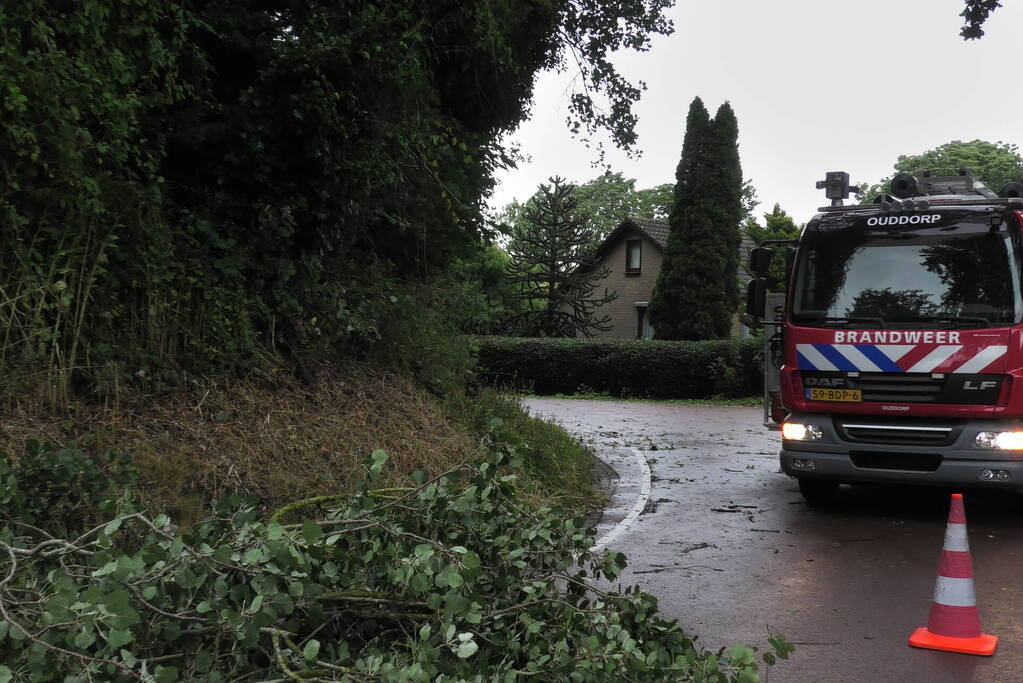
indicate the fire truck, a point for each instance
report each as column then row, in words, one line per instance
column 896, row 353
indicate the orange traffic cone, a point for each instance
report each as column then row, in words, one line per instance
column 954, row 624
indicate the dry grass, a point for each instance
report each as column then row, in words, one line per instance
column 277, row 440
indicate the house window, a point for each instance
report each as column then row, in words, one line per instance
column 633, row 256
column 643, row 328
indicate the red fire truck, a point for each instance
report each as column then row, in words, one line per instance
column 896, row 354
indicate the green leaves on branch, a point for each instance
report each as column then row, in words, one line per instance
column 975, row 13
column 451, row 579
column 186, row 186
column 992, row 163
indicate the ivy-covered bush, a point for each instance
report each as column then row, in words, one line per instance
column 446, row 579
column 623, row 367
column 187, row 186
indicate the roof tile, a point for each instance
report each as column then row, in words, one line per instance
column 657, row 230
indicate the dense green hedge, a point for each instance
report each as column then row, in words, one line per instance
column 623, row 367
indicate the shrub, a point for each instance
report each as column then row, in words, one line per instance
column 623, row 367
column 446, row 579
column 557, row 466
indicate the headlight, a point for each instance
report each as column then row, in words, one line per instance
column 795, row 431
column 1005, row 441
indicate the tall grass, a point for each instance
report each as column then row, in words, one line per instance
column 558, row 468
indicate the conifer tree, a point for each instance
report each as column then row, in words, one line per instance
column 697, row 290
column 727, row 188
column 554, row 269
column 665, row 305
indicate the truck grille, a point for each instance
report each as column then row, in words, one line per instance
column 915, row 462
column 898, row 388
column 866, row 429
column 916, row 387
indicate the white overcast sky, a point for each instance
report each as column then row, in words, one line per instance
column 816, row 85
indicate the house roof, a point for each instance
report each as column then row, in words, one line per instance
column 656, row 231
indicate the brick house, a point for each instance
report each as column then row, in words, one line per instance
column 633, row 253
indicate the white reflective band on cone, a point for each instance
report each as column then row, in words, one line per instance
column 954, row 592
column 955, row 538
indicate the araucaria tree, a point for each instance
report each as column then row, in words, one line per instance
column 697, row 289
column 554, row 269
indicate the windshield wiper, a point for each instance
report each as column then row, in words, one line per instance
column 842, row 322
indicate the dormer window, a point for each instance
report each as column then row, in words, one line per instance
column 633, row 256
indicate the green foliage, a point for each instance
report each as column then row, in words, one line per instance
column 654, row 202
column 697, row 290
column 593, row 30
column 187, row 186
column 63, row 488
column 610, row 198
column 605, row 201
column 554, row 269
column 419, row 337
column 992, row 163
column 554, row 464
column 976, row 12
column 778, row 225
column 446, row 579
column 624, row 367
column 80, row 176
column 486, row 293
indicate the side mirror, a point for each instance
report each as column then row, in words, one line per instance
column 760, row 260
column 756, row 297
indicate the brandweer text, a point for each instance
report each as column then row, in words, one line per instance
column 896, row 337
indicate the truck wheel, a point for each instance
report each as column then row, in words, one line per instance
column 818, row 492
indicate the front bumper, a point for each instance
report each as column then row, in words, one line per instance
column 957, row 464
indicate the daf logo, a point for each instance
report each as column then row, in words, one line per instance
column 984, row 385
column 825, row 382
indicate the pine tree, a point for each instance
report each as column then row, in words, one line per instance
column 554, row 269
column 697, row 290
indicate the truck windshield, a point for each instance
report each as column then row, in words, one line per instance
column 959, row 276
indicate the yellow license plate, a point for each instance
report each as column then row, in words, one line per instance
column 846, row 395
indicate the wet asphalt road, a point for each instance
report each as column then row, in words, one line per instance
column 730, row 549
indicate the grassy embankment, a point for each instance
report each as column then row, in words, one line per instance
column 280, row 440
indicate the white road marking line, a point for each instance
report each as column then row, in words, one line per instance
column 637, row 508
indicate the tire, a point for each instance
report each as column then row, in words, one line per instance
column 818, row 492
